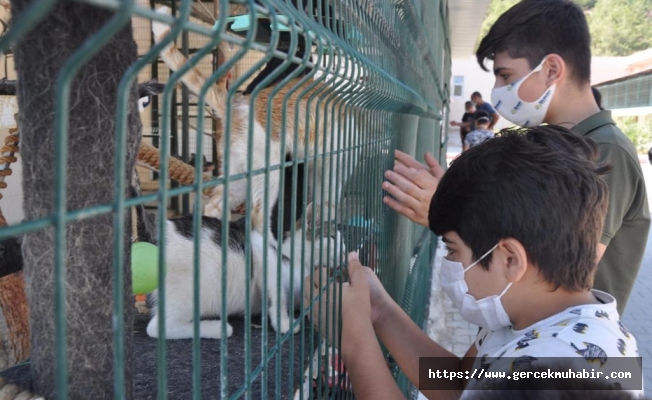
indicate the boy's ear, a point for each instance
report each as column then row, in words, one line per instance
column 513, row 257
column 555, row 68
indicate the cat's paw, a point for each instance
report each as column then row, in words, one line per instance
column 214, row 204
column 214, row 209
column 213, row 329
column 285, row 326
column 152, row 327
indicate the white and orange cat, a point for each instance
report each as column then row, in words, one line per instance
column 326, row 250
column 332, row 118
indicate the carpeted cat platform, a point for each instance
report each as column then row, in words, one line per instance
column 179, row 361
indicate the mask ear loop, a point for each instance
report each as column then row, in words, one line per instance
column 505, row 291
column 481, row 258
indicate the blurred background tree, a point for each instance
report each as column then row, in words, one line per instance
column 618, row 27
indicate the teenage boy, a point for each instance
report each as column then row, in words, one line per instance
column 542, row 62
column 525, row 281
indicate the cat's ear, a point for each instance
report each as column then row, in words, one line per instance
column 223, row 52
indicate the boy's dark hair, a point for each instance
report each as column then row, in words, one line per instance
column 468, row 104
column 539, row 186
column 533, row 29
column 476, row 94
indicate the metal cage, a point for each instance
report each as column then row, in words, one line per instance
column 373, row 77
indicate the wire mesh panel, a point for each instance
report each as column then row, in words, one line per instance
column 629, row 92
column 286, row 113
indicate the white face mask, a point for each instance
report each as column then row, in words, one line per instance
column 488, row 312
column 507, row 102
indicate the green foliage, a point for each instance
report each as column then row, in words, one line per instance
column 496, row 8
column 618, row 27
column 586, row 4
column 640, row 133
column 621, row 27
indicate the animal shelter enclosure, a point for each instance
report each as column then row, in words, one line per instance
column 254, row 160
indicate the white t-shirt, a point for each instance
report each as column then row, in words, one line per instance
column 590, row 335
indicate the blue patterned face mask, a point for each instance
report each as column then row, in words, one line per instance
column 507, row 102
column 488, row 312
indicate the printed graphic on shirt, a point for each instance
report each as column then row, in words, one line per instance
column 521, row 363
column 624, row 330
column 622, row 347
column 523, row 343
column 601, row 314
column 592, row 353
column 580, row 328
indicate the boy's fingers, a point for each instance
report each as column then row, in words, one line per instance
column 410, row 179
column 400, row 195
column 324, row 274
column 356, row 270
column 402, row 177
column 399, row 207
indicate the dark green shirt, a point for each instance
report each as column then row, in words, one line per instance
column 628, row 217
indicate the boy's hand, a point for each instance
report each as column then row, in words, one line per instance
column 363, row 298
column 412, row 185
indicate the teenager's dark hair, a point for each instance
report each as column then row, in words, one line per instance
column 533, row 29
column 540, row 186
column 476, row 94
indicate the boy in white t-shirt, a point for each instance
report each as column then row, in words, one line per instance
column 521, row 216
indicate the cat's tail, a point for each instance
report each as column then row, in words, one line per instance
column 193, row 79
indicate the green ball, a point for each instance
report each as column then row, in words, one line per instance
column 144, row 267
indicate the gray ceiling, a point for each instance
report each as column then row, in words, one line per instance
column 466, row 17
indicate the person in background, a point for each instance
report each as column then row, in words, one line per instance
column 480, row 107
column 480, row 134
column 469, row 110
column 483, row 106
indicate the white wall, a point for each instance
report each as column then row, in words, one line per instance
column 475, row 79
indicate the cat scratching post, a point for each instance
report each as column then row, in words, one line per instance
column 179, row 171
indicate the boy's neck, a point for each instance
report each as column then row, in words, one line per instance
column 572, row 106
column 545, row 304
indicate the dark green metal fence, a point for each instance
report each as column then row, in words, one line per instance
column 629, row 92
column 380, row 69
